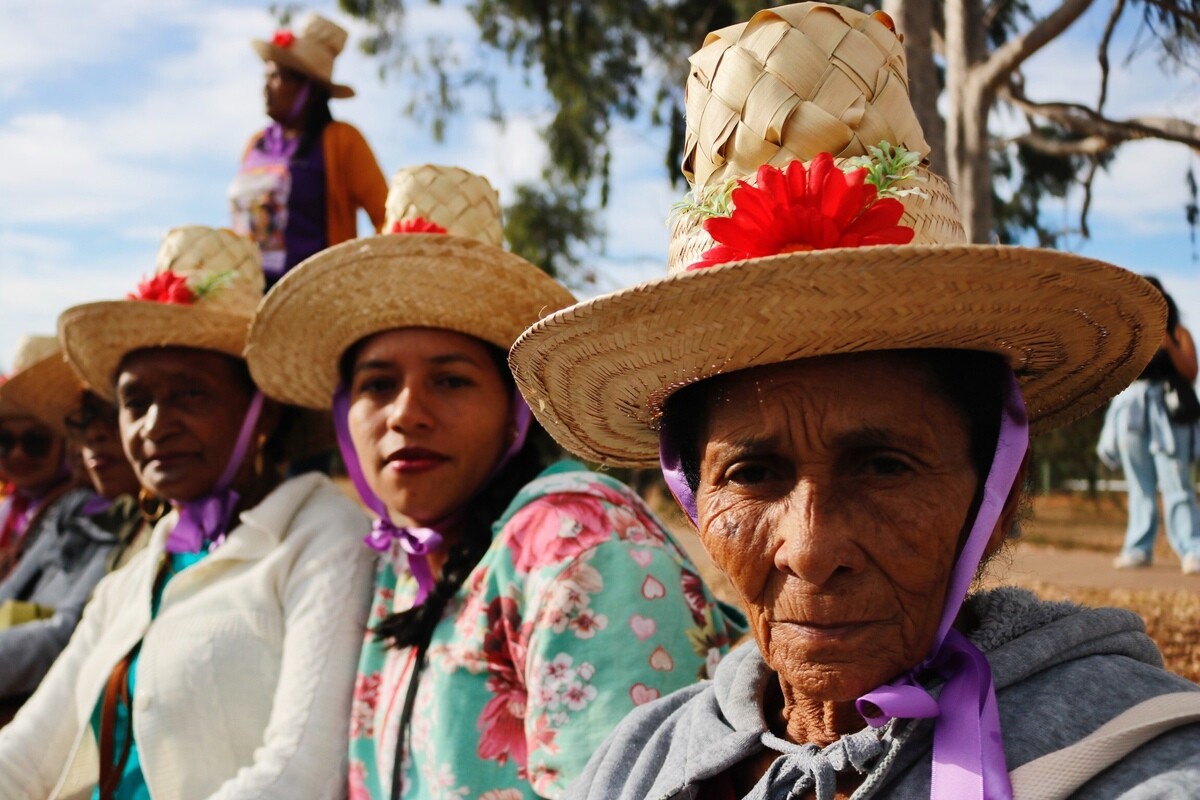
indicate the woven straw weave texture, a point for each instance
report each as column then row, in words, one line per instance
column 96, row 336
column 790, row 84
column 47, row 389
column 358, row 288
column 463, row 203
column 31, row 353
column 597, row 375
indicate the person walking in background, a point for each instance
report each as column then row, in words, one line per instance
column 304, row 178
column 1151, row 432
column 520, row 610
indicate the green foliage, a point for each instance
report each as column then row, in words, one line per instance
column 601, row 61
column 1067, row 453
column 550, row 227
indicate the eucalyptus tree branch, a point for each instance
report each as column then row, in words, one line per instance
column 1085, row 121
column 1087, row 198
column 1102, row 56
column 1009, row 56
column 1059, row 148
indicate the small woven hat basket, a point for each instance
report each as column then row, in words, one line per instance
column 791, row 84
column 217, row 280
column 444, row 267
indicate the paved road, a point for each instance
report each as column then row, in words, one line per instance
column 1089, row 568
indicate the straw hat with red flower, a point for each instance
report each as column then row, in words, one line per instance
column 815, row 227
column 205, row 287
column 440, row 264
column 309, row 50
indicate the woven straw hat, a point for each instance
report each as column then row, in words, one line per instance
column 310, row 50
column 206, row 285
column 42, row 384
column 460, row 280
column 792, row 83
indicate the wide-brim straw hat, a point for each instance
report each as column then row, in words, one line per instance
column 42, row 384
column 48, row 389
column 206, row 285
column 460, row 280
column 788, row 85
column 309, row 50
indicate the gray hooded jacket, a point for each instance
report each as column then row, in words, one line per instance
column 1060, row 670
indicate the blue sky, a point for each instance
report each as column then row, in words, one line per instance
column 122, row 119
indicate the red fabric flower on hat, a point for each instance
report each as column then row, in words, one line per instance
column 165, row 287
column 415, row 225
column 283, row 38
column 800, row 209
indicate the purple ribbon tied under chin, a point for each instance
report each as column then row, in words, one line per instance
column 418, row 543
column 205, row 521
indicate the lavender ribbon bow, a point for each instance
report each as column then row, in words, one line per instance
column 418, row 543
column 205, row 520
column 968, row 752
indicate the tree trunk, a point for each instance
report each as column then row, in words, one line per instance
column 967, row 151
column 914, row 21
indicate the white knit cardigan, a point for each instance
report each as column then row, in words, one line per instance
column 245, row 676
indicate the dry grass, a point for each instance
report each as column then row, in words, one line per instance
column 1172, row 618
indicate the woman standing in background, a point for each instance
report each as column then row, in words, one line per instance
column 304, row 178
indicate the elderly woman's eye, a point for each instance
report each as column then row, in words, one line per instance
column 886, row 466
column 749, row 473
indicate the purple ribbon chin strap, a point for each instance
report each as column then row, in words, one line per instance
column 418, row 543
column 207, row 519
column 968, row 752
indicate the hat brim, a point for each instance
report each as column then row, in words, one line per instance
column 268, row 51
column 48, row 389
column 357, row 288
column 1075, row 331
column 96, row 336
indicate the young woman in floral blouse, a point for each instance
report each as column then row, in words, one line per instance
column 519, row 612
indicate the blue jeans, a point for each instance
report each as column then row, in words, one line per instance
column 1148, row 472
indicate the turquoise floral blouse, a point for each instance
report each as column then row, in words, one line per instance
column 582, row 608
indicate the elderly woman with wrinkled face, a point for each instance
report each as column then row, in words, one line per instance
column 840, row 394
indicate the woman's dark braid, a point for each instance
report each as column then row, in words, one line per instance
column 414, row 626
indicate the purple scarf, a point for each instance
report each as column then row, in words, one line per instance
column 968, row 752
column 274, row 142
column 418, row 543
column 206, row 520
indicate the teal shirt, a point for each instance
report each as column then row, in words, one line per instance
column 133, row 782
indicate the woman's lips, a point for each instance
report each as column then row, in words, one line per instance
column 411, row 460
column 828, row 631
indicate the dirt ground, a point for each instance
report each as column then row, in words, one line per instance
column 1065, row 553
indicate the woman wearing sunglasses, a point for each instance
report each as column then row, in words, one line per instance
column 71, row 548
column 32, row 456
column 219, row 662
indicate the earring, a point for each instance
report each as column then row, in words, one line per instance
column 149, row 506
column 258, row 455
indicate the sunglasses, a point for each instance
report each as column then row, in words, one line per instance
column 92, row 411
column 36, row 444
